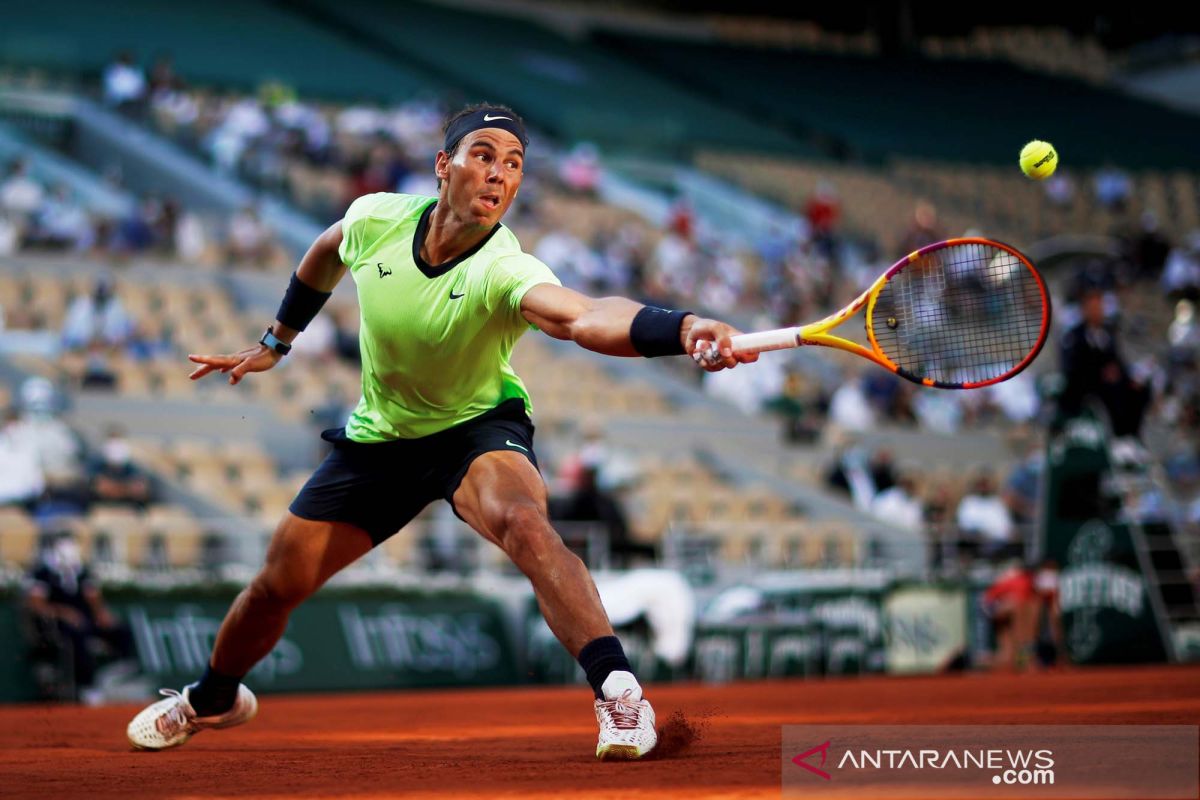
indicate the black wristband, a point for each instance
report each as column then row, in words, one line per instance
column 655, row 332
column 300, row 304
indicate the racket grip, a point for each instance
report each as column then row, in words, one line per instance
column 765, row 340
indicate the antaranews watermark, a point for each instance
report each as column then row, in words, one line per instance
column 1079, row 761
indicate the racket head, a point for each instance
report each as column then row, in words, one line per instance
column 959, row 314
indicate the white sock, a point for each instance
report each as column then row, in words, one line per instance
column 617, row 682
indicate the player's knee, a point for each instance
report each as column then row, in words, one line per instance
column 527, row 534
column 277, row 592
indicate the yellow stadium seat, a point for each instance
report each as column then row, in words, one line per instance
column 18, row 538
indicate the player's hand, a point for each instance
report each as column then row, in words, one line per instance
column 702, row 334
column 258, row 358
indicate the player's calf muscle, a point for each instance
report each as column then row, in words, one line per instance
column 526, row 534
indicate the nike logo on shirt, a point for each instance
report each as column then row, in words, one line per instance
column 454, row 296
column 514, row 444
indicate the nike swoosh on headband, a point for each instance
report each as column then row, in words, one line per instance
column 486, row 118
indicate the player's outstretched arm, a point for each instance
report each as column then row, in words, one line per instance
column 617, row 326
column 315, row 278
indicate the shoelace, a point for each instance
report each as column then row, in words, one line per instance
column 625, row 712
column 176, row 718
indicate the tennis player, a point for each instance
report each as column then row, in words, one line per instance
column 444, row 291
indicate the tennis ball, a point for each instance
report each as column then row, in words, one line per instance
column 1038, row 160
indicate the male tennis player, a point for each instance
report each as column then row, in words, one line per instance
column 445, row 292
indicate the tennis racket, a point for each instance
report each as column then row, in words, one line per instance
column 958, row 314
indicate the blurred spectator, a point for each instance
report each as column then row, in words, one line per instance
column 579, row 170
column 681, row 219
column 1022, row 489
column 124, row 83
column 57, row 449
column 1010, row 604
column 849, row 407
column 191, row 240
column 1060, row 189
column 1026, row 617
column 62, row 222
column 1049, row 644
column 21, row 479
column 803, row 406
column 20, row 195
column 115, row 478
column 824, row 211
column 570, row 259
column 749, row 389
column 924, row 229
column 1092, row 363
column 163, row 79
column 10, row 234
column 1181, row 275
column 97, row 371
column 589, row 503
column 861, row 478
column 98, row 317
column 249, row 240
column 984, row 519
column 67, row 604
column 900, row 505
column 135, row 232
column 319, row 340
column 1147, row 248
column 1017, row 398
column 1183, row 362
column 1113, row 187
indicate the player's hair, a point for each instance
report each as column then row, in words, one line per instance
column 471, row 109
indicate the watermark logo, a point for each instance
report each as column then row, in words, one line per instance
column 990, row 761
column 801, row 760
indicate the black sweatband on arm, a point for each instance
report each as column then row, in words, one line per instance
column 300, row 304
column 655, row 332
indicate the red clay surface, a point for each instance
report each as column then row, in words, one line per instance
column 539, row 743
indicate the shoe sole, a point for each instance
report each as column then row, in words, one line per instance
column 143, row 748
column 619, row 752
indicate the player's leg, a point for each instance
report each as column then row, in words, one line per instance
column 303, row 554
column 503, row 497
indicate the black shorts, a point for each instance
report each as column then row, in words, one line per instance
column 381, row 486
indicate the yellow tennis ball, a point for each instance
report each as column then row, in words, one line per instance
column 1038, row 159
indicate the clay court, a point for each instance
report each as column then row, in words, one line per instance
column 537, row 743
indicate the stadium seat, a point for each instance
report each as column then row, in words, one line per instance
column 18, row 537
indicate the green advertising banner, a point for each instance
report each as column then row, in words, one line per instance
column 339, row 639
column 796, row 631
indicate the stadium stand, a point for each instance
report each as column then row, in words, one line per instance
column 742, row 520
column 213, row 50
column 847, row 99
column 573, row 90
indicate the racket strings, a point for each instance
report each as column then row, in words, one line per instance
column 962, row 314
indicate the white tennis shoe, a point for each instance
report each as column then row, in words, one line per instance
column 171, row 722
column 626, row 722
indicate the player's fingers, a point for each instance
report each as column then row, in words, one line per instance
column 239, row 372
column 215, row 361
column 747, row 358
column 200, row 372
column 725, row 349
column 700, row 351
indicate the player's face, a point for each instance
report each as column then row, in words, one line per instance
column 482, row 178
